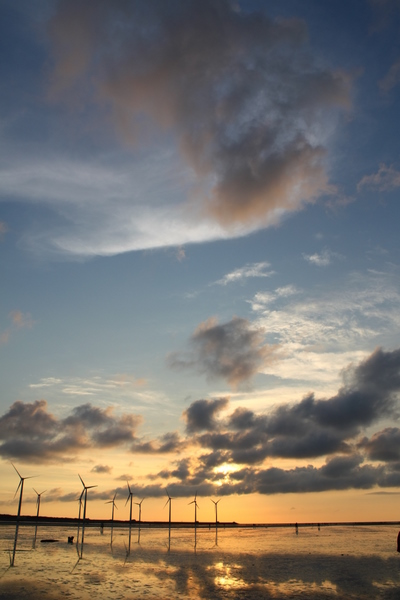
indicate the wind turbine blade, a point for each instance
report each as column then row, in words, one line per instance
column 19, row 485
column 16, row 469
column 192, row 502
column 89, row 487
column 81, row 480
column 163, row 506
column 36, row 491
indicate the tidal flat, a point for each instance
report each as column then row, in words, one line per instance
column 349, row 562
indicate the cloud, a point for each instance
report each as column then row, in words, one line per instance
column 235, row 107
column 385, row 180
column 226, row 452
column 3, row 229
column 234, row 351
column 19, row 320
column 29, row 431
column 320, row 329
column 164, row 444
column 383, row 445
column 201, row 414
column 249, row 270
column 101, row 469
column 312, row 427
column 233, row 64
column 322, row 259
column 391, row 79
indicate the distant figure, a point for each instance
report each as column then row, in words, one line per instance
column 70, row 539
column 297, row 529
column 101, row 528
column 398, row 542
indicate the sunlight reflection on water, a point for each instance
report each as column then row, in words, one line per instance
column 335, row 562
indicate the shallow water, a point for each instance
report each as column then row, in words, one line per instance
column 335, row 562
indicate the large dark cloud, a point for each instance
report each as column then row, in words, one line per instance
column 242, row 93
column 30, row 432
column 201, row 414
column 383, row 445
column 233, row 452
column 234, row 351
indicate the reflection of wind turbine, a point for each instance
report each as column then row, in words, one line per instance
column 139, row 504
column 216, row 510
column 21, row 488
column 169, row 511
column 196, row 506
column 113, row 506
column 38, row 501
column 130, row 496
column 84, row 493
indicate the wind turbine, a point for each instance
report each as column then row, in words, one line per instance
column 196, row 506
column 169, row 502
column 84, row 494
column 216, row 510
column 38, row 501
column 80, row 504
column 113, row 506
column 139, row 504
column 130, row 496
column 21, row 488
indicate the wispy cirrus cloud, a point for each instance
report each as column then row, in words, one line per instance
column 322, row 259
column 249, row 270
column 213, row 142
column 19, row 320
column 391, row 79
column 385, row 180
column 319, row 329
column 3, row 229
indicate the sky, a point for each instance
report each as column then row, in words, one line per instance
column 199, row 257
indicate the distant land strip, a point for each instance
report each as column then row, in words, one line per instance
column 66, row 521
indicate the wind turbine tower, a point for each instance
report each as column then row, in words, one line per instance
column 84, row 493
column 38, row 501
column 139, row 504
column 130, row 496
column 196, row 506
column 113, row 506
column 216, row 510
column 169, row 501
column 21, row 488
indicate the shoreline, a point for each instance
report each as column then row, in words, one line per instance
column 108, row 523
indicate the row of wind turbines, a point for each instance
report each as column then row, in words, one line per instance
column 84, row 495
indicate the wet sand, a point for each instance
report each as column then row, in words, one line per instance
column 334, row 563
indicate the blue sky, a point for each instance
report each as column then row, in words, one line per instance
column 199, row 252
